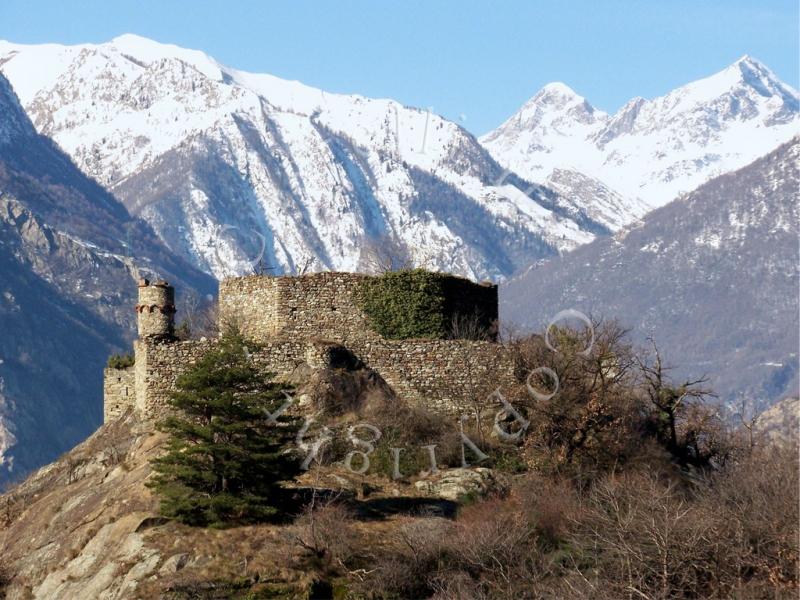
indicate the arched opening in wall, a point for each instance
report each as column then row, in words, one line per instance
column 340, row 357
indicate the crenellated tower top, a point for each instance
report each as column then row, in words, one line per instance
column 156, row 309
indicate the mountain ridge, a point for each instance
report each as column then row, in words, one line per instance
column 133, row 111
column 649, row 151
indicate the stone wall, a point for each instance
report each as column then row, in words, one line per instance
column 448, row 376
column 251, row 303
column 160, row 363
column 321, row 311
column 314, row 306
column 119, row 392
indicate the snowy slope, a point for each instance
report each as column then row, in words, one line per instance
column 650, row 151
column 228, row 166
column 13, row 124
column 712, row 277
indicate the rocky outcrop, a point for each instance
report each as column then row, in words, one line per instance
column 455, row 484
column 87, row 526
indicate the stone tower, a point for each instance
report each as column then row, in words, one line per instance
column 156, row 309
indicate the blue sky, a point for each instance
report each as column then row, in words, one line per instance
column 474, row 62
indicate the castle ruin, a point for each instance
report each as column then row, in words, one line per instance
column 310, row 321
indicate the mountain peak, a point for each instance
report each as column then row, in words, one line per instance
column 290, row 163
column 558, row 97
column 747, row 59
column 747, row 72
column 751, row 62
column 556, row 93
column 558, row 87
column 652, row 150
column 748, row 64
column 132, row 38
column 758, row 75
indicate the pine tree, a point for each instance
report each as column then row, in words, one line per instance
column 225, row 456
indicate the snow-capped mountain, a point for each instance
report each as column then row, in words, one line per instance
column 67, row 285
column 618, row 167
column 229, row 166
column 712, row 277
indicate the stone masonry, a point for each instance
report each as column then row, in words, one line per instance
column 308, row 321
column 119, row 392
column 155, row 309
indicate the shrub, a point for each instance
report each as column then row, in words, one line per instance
column 615, row 408
column 550, row 506
column 327, row 531
column 755, row 505
column 594, row 423
column 507, row 459
column 410, row 428
column 732, row 533
column 120, row 361
column 411, row 566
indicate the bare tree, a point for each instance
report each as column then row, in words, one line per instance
column 509, row 333
column 470, row 327
column 198, row 317
column 305, row 264
column 748, row 417
column 262, row 268
column 325, row 528
column 671, row 401
column 587, row 414
column 383, row 255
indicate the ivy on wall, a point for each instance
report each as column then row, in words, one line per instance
column 406, row 304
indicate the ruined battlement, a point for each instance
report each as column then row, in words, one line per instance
column 326, row 305
column 305, row 322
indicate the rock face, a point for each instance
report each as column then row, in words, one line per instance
column 618, row 167
column 780, row 422
column 713, row 277
column 87, row 543
column 453, row 484
column 235, row 169
column 65, row 246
